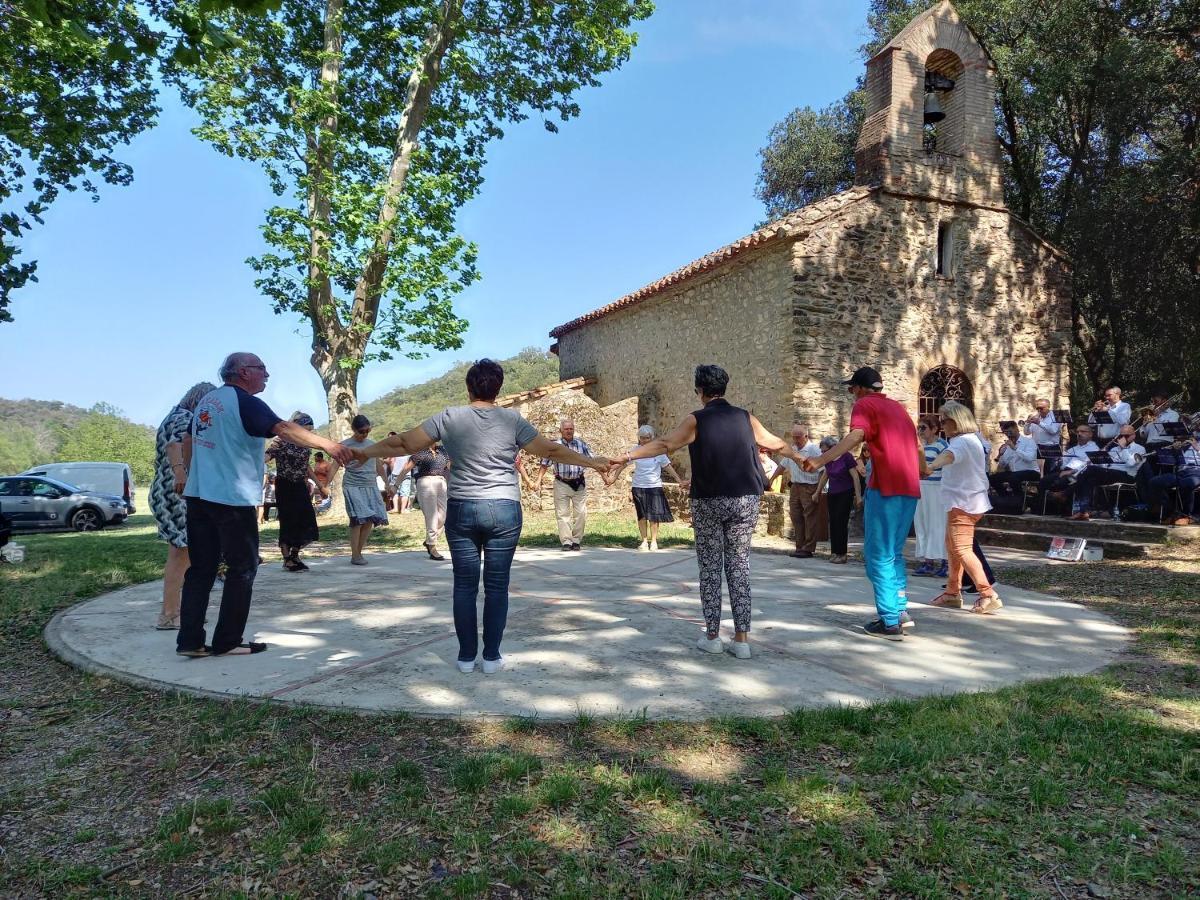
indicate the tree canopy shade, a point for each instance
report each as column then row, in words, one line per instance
column 371, row 120
column 1097, row 111
column 77, row 82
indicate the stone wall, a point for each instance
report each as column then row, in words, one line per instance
column 607, row 430
column 867, row 292
column 739, row 317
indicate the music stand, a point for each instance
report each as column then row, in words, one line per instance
column 1174, row 429
column 1100, row 458
column 1045, row 451
column 1063, row 417
column 1168, row 458
column 1102, row 418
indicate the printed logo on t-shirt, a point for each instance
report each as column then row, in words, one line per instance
column 204, row 419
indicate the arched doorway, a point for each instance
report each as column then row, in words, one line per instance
column 941, row 384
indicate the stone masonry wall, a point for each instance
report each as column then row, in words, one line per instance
column 607, row 430
column 867, row 293
column 739, row 317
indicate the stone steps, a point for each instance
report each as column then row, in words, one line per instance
column 1094, row 530
column 1114, row 548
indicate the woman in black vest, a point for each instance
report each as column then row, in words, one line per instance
column 726, row 489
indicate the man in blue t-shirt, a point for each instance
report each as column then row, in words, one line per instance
column 224, row 485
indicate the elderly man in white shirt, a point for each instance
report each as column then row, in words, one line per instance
column 804, row 501
column 1154, row 435
column 1016, row 462
column 1115, row 407
column 1127, row 456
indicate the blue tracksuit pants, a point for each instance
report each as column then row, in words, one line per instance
column 886, row 521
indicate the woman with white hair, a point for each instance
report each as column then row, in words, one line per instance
column 845, row 492
column 965, row 499
column 649, row 498
column 172, row 457
column 293, row 499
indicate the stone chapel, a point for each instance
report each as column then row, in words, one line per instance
column 919, row 270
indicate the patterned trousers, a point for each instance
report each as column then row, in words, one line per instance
column 723, row 527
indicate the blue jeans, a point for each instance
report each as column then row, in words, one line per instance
column 886, row 522
column 490, row 528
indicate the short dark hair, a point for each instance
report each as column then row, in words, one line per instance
column 484, row 379
column 359, row 422
column 711, row 381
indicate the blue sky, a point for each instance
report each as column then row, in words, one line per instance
column 143, row 293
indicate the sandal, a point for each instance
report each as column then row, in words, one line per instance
column 293, row 564
column 198, row 653
column 987, row 604
column 946, row 600
column 245, row 649
column 167, row 623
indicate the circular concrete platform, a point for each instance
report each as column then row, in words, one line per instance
column 608, row 631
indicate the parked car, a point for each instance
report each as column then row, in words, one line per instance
column 32, row 502
column 115, row 479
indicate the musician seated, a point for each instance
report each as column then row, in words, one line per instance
column 1016, row 463
column 1074, row 461
column 1127, row 456
column 1159, row 413
column 1186, row 478
column 1118, row 409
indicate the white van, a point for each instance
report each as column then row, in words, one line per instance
column 114, row 479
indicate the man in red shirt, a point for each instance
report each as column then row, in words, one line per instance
column 892, row 494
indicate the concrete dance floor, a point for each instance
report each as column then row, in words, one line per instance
column 607, row 631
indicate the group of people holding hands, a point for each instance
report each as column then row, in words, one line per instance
column 469, row 484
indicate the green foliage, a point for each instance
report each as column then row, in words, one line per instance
column 405, row 407
column 31, row 432
column 372, row 120
column 1099, row 122
column 77, row 80
column 105, row 436
column 810, row 155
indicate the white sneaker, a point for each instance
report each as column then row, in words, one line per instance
column 740, row 649
column 644, row 546
column 654, row 545
column 492, row 666
column 713, row 645
column 466, row 666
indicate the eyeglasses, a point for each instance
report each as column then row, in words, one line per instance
column 264, row 368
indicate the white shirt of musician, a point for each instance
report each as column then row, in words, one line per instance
column 1127, row 459
column 1022, row 458
column 1075, row 459
column 1155, row 433
column 1047, row 431
column 1121, row 413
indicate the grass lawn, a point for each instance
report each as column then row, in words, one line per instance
column 1066, row 788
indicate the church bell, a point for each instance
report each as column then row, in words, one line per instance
column 933, row 109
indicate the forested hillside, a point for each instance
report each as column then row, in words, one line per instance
column 405, row 407
column 40, row 431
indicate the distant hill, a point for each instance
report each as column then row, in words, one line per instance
column 41, row 431
column 404, row 408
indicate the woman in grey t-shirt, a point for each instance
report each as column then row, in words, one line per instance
column 483, row 516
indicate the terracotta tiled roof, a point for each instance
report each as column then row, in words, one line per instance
column 790, row 226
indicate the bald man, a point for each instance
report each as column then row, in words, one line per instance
column 224, row 485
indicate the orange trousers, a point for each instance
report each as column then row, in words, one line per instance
column 960, row 535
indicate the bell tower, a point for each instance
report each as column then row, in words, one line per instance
column 930, row 126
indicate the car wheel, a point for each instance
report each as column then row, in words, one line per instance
column 87, row 519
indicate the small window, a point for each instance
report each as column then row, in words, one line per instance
column 945, row 249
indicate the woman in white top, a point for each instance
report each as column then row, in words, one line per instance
column 649, row 498
column 930, row 520
column 965, row 499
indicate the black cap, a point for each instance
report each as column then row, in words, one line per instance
column 866, row 377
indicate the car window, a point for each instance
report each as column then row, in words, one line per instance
column 8, row 487
column 45, row 489
column 22, row 488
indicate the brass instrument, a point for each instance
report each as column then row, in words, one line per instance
column 1147, row 414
